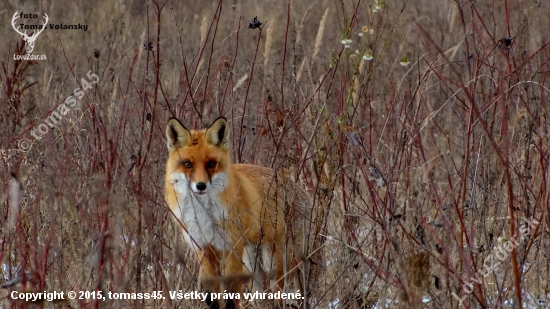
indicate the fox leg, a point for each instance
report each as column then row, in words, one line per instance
column 209, row 273
column 253, row 263
column 272, row 262
column 234, row 275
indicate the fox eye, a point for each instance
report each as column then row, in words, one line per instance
column 187, row 164
column 211, row 164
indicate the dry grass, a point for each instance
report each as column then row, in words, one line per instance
column 422, row 172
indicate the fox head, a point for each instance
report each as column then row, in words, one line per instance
column 198, row 160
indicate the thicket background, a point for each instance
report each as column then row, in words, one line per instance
column 426, row 158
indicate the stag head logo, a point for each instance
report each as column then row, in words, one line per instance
column 29, row 39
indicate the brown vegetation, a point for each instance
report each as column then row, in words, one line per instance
column 425, row 171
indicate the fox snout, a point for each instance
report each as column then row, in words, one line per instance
column 216, row 184
column 199, row 188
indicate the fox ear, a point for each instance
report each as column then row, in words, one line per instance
column 218, row 133
column 176, row 134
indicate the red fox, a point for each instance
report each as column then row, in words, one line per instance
column 242, row 220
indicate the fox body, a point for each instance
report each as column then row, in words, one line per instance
column 232, row 215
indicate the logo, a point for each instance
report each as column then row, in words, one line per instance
column 37, row 29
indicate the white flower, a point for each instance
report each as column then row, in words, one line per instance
column 346, row 43
column 404, row 61
column 367, row 56
column 360, row 34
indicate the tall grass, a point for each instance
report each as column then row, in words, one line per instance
column 423, row 171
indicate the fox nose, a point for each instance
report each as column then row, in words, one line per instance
column 201, row 186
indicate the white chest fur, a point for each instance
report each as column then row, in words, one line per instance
column 202, row 216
